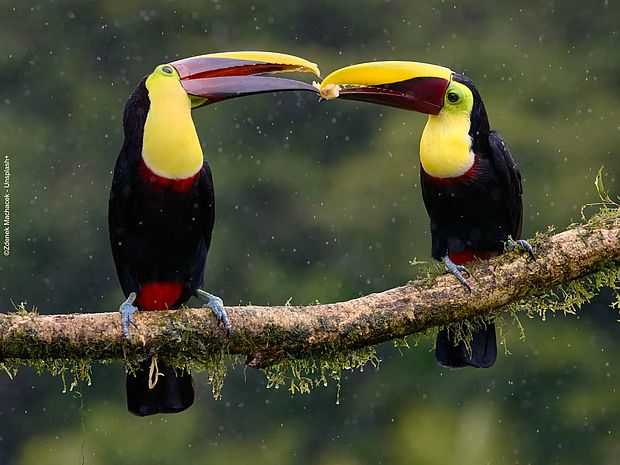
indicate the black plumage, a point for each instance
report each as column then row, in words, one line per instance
column 160, row 232
column 472, row 216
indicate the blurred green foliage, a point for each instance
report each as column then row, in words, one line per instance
column 316, row 201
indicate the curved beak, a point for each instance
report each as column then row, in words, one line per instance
column 401, row 84
column 219, row 76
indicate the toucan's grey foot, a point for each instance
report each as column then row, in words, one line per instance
column 457, row 271
column 127, row 311
column 512, row 244
column 217, row 305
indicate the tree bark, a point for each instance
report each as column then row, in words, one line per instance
column 266, row 335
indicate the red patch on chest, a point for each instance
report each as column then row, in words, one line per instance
column 161, row 183
column 472, row 172
column 466, row 256
column 159, row 295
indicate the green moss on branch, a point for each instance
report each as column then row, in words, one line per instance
column 305, row 346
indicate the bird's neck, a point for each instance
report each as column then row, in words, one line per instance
column 170, row 147
column 445, row 147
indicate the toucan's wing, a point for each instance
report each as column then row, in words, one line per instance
column 207, row 202
column 204, row 200
column 509, row 176
column 118, row 217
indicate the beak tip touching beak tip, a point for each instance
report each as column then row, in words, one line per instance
column 407, row 85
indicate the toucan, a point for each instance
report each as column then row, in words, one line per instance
column 162, row 206
column 471, row 186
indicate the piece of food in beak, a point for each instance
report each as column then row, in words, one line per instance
column 328, row 91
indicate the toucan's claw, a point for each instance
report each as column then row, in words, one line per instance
column 217, row 306
column 512, row 244
column 457, row 271
column 127, row 310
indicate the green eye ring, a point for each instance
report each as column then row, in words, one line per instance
column 167, row 69
column 453, row 97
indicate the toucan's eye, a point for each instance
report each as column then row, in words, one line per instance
column 167, row 69
column 453, row 97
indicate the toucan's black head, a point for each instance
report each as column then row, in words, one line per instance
column 136, row 109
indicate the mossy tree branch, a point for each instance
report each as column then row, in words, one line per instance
column 267, row 335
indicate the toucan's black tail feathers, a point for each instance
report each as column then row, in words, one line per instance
column 483, row 349
column 173, row 392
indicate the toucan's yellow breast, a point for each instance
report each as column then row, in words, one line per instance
column 445, row 147
column 170, row 146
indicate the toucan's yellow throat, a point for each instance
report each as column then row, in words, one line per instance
column 446, row 146
column 170, row 147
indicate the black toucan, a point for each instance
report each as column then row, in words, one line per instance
column 470, row 184
column 162, row 205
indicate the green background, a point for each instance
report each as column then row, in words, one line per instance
column 316, row 201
